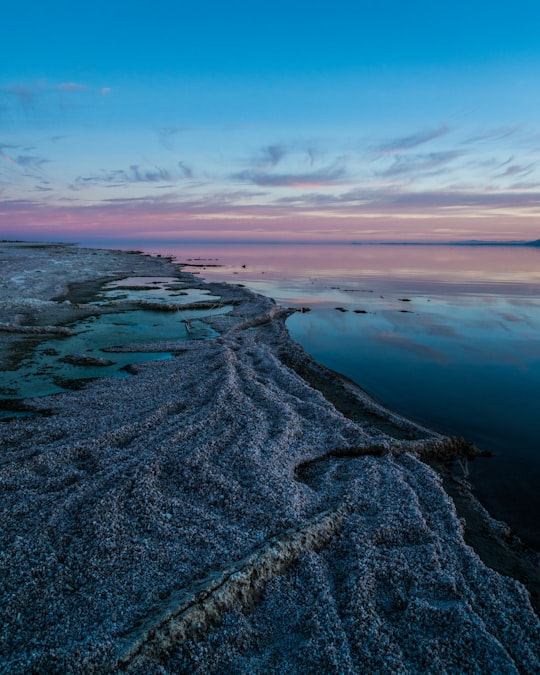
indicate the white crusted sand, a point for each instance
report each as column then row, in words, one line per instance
column 193, row 518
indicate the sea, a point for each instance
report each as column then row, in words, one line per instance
column 448, row 335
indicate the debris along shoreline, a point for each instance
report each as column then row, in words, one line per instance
column 217, row 512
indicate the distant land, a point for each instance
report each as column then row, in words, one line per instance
column 122, row 243
column 471, row 242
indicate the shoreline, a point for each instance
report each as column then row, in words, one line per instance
column 135, row 493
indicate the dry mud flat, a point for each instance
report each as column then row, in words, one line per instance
column 217, row 513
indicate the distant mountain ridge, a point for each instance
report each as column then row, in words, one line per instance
column 471, row 242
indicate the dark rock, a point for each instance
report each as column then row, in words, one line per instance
column 83, row 360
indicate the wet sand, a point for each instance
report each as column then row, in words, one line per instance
column 236, row 508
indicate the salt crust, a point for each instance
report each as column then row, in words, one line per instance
column 208, row 479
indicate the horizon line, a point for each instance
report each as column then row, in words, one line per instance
column 98, row 241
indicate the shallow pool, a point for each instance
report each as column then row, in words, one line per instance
column 44, row 369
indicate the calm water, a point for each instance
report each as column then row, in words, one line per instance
column 449, row 336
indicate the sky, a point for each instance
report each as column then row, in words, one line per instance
column 257, row 121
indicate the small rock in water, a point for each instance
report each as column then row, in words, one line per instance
column 83, row 360
column 50, row 352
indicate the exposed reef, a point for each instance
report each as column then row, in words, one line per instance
column 235, row 508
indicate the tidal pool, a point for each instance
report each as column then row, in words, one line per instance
column 43, row 369
column 156, row 289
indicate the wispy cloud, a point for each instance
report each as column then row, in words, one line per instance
column 405, row 143
column 34, row 97
column 31, row 162
column 420, row 164
column 223, row 201
column 134, row 174
column 525, row 185
column 270, row 156
column 396, row 201
column 518, row 170
column 230, row 214
column 30, row 165
column 7, row 158
column 480, row 199
column 329, row 175
column 493, row 135
column 185, row 170
column 8, row 146
column 311, row 154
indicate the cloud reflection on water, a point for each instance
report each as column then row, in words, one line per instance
column 464, row 358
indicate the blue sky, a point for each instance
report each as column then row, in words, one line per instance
column 270, row 121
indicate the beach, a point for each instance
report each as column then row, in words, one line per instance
column 236, row 507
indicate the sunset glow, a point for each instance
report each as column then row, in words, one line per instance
column 200, row 124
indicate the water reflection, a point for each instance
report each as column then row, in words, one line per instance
column 446, row 335
column 463, row 269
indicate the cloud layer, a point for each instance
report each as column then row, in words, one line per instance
column 437, row 181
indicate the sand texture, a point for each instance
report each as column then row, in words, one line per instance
column 216, row 513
